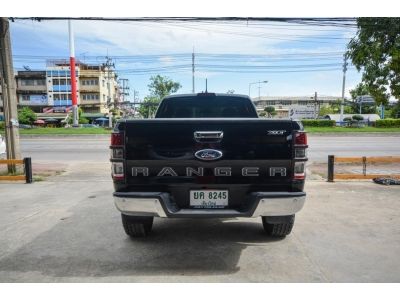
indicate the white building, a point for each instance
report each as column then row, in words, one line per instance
column 301, row 106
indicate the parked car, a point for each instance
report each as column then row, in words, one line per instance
column 208, row 156
column 25, row 126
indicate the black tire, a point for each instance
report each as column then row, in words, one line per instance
column 137, row 226
column 278, row 226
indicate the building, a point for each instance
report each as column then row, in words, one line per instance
column 48, row 92
column 32, row 90
column 96, row 87
column 285, row 105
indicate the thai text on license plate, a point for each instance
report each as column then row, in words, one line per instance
column 209, row 198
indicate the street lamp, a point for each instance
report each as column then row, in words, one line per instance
column 259, row 86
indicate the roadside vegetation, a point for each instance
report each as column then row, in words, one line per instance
column 69, row 130
column 353, row 130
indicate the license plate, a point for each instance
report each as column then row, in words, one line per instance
column 208, row 198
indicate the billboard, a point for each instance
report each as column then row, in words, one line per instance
column 37, row 99
column 302, row 112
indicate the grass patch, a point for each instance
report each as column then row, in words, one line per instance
column 45, row 131
column 348, row 129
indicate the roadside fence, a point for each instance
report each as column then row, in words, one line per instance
column 27, row 166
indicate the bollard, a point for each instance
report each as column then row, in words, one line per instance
column 331, row 168
column 28, row 169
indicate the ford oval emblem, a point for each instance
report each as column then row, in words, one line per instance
column 208, row 154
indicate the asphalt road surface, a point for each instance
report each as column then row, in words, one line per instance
column 95, row 149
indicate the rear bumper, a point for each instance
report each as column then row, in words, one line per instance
column 159, row 205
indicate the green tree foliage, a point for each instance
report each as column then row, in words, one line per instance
column 357, row 118
column 159, row 87
column 270, row 110
column 81, row 119
column 162, row 86
column 360, row 90
column 26, row 116
column 395, row 111
column 376, row 50
column 149, row 106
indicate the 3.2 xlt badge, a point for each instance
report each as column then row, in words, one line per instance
column 208, row 154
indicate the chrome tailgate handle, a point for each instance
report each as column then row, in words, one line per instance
column 208, row 136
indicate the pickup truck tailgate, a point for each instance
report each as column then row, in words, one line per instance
column 254, row 143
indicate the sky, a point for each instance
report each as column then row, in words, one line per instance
column 295, row 59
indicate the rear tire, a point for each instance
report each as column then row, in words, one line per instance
column 137, row 226
column 279, row 226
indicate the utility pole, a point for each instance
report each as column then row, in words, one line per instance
column 9, row 94
column 108, row 66
column 73, row 74
column 315, row 104
column 193, row 89
column 124, row 88
column 343, row 87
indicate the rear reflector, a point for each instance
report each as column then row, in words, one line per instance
column 117, row 139
column 117, row 170
column 299, row 170
column 300, row 153
column 117, row 153
column 301, row 138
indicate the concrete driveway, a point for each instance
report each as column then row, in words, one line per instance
column 68, row 230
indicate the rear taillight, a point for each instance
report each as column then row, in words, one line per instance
column 117, row 169
column 300, row 155
column 300, row 138
column 117, row 139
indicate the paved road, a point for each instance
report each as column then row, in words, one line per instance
column 96, row 149
column 69, row 230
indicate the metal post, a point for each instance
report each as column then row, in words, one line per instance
column 9, row 94
column 28, row 169
column 343, row 88
column 331, row 168
column 73, row 75
column 364, row 160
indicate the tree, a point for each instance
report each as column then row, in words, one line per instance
column 149, row 106
column 162, row 86
column 81, row 119
column 26, row 116
column 376, row 50
column 360, row 90
column 395, row 111
column 270, row 111
column 159, row 87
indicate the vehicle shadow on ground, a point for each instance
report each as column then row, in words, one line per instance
column 91, row 243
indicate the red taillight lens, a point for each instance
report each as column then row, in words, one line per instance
column 117, row 139
column 301, row 138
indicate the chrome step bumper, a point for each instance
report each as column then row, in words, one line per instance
column 159, row 205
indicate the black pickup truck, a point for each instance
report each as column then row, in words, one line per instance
column 208, row 156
